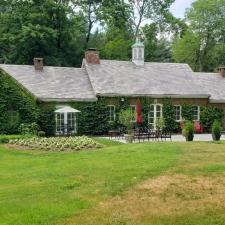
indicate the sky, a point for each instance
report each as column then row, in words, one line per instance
column 179, row 6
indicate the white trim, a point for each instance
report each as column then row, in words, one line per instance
column 198, row 119
column 180, row 113
column 114, row 113
column 155, row 113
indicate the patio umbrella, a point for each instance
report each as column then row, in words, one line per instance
column 138, row 111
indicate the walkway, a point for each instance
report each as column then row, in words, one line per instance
column 178, row 138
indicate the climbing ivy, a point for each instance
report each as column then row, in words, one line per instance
column 208, row 115
column 14, row 99
column 94, row 116
column 169, row 116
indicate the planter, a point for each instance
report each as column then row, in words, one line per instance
column 129, row 138
column 189, row 137
column 216, row 137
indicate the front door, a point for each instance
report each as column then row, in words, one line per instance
column 155, row 113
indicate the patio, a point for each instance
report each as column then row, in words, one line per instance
column 174, row 138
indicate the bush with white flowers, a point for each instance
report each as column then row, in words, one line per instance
column 57, row 143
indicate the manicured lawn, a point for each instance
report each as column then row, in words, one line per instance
column 50, row 188
column 140, row 184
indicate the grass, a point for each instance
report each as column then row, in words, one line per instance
column 139, row 184
column 49, row 188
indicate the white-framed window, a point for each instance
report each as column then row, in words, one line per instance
column 155, row 113
column 59, row 122
column 65, row 117
column 196, row 113
column 133, row 113
column 178, row 112
column 112, row 113
column 71, row 121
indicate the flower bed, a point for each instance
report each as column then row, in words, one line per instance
column 57, row 143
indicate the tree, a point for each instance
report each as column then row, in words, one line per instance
column 148, row 10
column 204, row 39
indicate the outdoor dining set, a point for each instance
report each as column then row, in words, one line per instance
column 142, row 134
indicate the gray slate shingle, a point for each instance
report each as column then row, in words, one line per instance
column 54, row 83
column 118, row 78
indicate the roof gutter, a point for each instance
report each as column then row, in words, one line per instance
column 155, row 96
column 67, row 99
column 219, row 101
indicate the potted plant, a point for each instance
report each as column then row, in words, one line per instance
column 216, row 130
column 188, row 131
column 125, row 118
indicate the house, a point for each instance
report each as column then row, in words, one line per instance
column 116, row 81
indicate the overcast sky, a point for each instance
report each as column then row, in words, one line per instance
column 179, row 6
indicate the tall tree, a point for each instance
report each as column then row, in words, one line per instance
column 148, row 10
column 202, row 44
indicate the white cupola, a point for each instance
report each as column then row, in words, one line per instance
column 138, row 53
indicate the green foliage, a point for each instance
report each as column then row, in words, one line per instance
column 57, row 143
column 188, row 130
column 209, row 115
column 160, row 123
column 93, row 118
column 14, row 98
column 29, row 129
column 7, row 138
column 46, row 119
column 216, row 130
column 201, row 46
column 41, row 134
column 125, row 118
column 187, row 112
column 169, row 116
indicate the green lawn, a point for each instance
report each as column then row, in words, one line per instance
column 139, row 184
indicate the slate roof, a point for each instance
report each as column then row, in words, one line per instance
column 212, row 83
column 53, row 83
column 118, row 78
column 124, row 78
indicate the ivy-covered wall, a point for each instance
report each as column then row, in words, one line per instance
column 16, row 105
column 94, row 116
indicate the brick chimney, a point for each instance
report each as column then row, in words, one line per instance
column 38, row 64
column 221, row 70
column 92, row 56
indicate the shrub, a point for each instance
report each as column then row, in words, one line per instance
column 209, row 115
column 27, row 129
column 188, row 131
column 216, row 130
column 125, row 118
column 41, row 134
column 160, row 123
